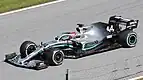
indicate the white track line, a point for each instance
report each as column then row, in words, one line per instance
column 27, row 8
column 137, row 78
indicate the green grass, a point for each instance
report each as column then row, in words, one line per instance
column 8, row 5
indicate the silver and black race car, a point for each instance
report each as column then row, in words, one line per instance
column 86, row 40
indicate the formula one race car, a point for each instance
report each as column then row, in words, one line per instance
column 88, row 39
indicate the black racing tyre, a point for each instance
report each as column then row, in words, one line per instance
column 26, row 48
column 54, row 57
column 128, row 38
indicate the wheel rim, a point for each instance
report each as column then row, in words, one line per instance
column 58, row 57
column 30, row 49
column 132, row 39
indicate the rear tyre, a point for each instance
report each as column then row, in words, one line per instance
column 128, row 38
column 26, row 48
column 54, row 57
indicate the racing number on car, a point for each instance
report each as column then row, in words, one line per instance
column 110, row 28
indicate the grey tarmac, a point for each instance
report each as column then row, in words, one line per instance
column 44, row 23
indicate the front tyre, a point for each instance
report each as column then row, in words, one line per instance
column 54, row 57
column 128, row 38
column 26, row 48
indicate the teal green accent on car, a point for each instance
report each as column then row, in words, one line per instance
column 92, row 46
column 62, row 45
column 59, row 45
column 70, row 45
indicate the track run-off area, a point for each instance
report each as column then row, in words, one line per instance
column 45, row 22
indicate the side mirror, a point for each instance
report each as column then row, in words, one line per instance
column 56, row 38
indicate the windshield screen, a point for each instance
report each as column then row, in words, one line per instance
column 65, row 37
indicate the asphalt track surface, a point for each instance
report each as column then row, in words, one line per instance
column 43, row 23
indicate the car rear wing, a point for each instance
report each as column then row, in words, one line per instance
column 120, row 21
